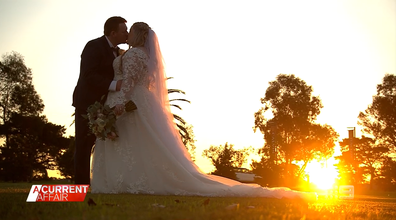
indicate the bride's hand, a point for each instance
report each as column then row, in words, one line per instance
column 119, row 109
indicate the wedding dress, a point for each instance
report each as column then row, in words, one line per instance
column 148, row 157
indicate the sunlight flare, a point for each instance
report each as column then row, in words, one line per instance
column 322, row 174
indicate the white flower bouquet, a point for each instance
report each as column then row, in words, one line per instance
column 102, row 119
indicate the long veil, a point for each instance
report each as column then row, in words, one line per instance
column 156, row 69
column 162, row 115
column 162, row 118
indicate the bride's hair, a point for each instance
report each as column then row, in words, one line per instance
column 141, row 32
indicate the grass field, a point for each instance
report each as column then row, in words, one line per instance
column 13, row 205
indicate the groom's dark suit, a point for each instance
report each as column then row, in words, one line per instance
column 96, row 75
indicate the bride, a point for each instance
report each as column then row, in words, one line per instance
column 149, row 157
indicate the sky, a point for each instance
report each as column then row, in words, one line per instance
column 222, row 54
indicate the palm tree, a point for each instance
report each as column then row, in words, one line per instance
column 185, row 130
column 180, row 122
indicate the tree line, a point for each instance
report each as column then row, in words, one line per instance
column 293, row 138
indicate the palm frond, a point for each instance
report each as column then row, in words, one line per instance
column 182, row 100
column 73, row 119
column 181, row 128
column 180, row 119
column 182, row 135
column 176, row 91
column 176, row 106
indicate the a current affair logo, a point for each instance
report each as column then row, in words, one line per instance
column 57, row 193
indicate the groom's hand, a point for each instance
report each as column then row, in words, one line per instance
column 118, row 86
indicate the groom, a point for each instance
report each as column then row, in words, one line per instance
column 94, row 82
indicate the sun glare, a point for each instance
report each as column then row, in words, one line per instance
column 322, row 174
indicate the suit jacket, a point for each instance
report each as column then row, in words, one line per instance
column 96, row 73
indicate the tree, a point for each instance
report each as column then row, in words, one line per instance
column 17, row 93
column 361, row 159
column 387, row 178
column 291, row 134
column 189, row 142
column 65, row 160
column 379, row 119
column 33, row 145
column 31, row 142
column 225, row 159
column 318, row 145
column 274, row 172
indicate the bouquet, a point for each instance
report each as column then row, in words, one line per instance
column 102, row 119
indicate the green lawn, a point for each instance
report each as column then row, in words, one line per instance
column 13, row 205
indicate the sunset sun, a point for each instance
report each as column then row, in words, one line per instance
column 322, row 174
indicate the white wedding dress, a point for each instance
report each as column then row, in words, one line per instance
column 148, row 157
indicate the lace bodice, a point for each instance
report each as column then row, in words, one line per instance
column 133, row 71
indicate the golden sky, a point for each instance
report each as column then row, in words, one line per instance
column 221, row 53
